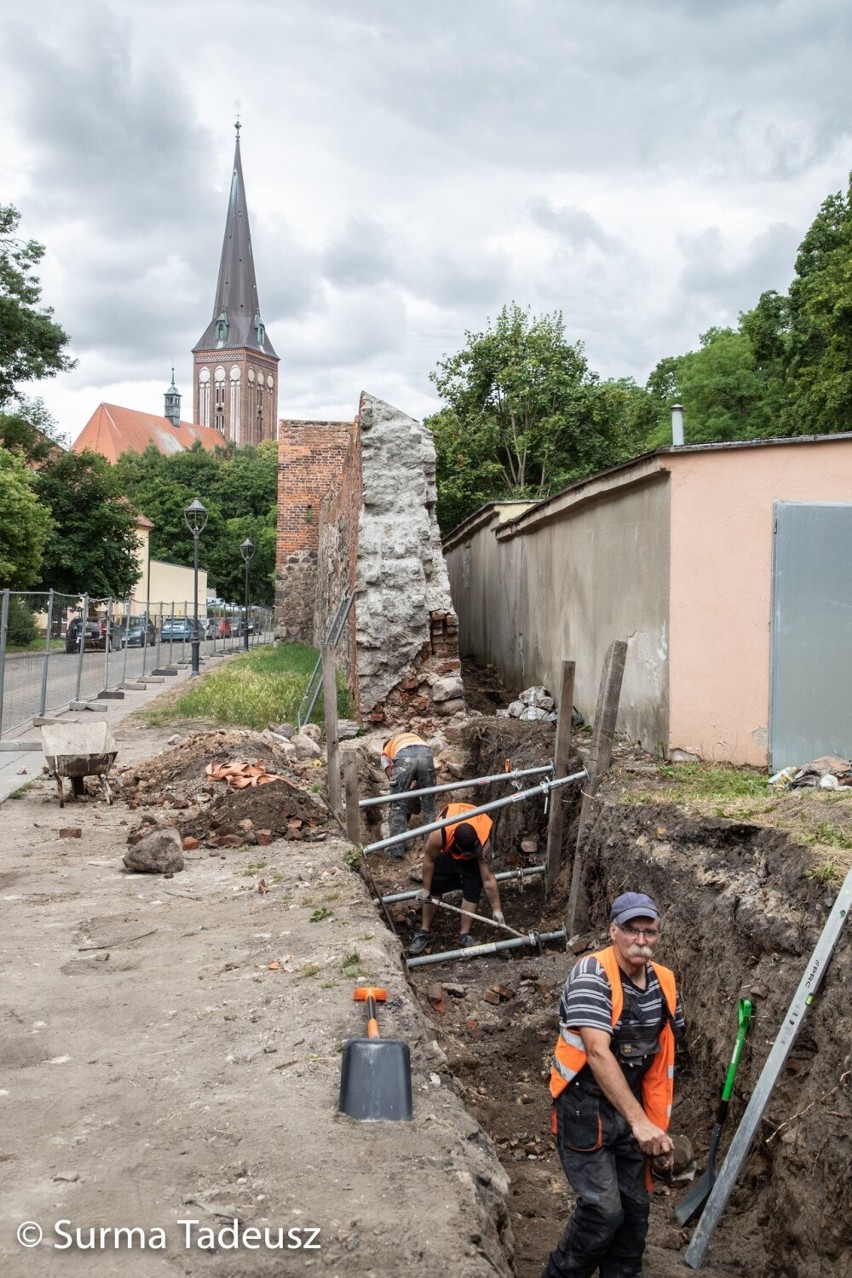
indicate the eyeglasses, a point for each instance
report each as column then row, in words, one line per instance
column 649, row 933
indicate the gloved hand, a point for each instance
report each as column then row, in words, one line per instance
column 422, row 896
column 498, row 917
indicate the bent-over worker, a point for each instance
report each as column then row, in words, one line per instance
column 409, row 765
column 612, row 1083
column 457, row 857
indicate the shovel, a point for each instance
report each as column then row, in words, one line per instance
column 375, row 1076
column 436, row 900
column 693, row 1203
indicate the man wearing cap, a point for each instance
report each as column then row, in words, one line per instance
column 408, row 764
column 612, row 1083
column 457, row 857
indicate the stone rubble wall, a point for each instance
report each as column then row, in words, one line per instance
column 406, row 627
column 337, row 560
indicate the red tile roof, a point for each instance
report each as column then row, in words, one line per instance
column 112, row 430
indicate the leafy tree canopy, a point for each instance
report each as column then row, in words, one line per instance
column 29, row 430
column 95, row 535
column 31, row 342
column 239, row 488
column 523, row 415
column 25, row 524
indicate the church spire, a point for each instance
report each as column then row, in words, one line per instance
column 236, row 321
column 235, row 374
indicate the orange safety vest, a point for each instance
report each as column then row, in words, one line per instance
column 399, row 742
column 658, row 1082
column 482, row 824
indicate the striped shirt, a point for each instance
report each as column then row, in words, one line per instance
column 586, row 1003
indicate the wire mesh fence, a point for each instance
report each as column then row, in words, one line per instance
column 56, row 649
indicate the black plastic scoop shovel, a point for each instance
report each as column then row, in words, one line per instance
column 693, row 1203
column 375, row 1075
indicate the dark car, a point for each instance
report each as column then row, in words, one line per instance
column 94, row 633
column 139, row 632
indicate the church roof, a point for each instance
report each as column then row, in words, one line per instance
column 236, row 322
column 112, row 430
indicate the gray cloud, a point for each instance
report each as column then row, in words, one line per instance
column 646, row 169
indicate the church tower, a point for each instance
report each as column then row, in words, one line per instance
column 235, row 369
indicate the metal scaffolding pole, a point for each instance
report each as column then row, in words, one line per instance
column 543, row 788
column 502, row 877
column 454, row 785
column 533, row 939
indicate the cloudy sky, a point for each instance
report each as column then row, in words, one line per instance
column 646, row 167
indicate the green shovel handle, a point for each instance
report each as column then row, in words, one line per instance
column 743, row 1019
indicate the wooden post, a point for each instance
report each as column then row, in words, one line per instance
column 562, row 751
column 600, row 757
column 350, row 790
column 332, row 741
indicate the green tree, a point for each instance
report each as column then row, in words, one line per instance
column 239, row 488
column 25, row 524
column 29, row 430
column 31, row 342
column 819, row 341
column 523, row 414
column 93, row 545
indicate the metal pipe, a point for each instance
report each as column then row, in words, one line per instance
column 501, row 878
column 543, row 788
column 677, row 425
column 454, row 785
column 533, row 939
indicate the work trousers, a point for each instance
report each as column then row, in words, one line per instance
column 606, row 1169
column 413, row 765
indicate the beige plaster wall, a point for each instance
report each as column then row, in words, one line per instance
column 563, row 582
column 721, row 583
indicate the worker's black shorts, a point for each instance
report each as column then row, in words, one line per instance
column 450, row 874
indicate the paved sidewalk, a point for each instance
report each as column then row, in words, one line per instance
column 18, row 767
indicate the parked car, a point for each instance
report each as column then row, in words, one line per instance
column 176, row 630
column 96, row 632
column 139, row 632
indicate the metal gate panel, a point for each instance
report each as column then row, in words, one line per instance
column 811, row 655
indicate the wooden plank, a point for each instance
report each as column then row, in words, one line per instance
column 562, row 751
column 332, row 740
column 350, row 789
column 600, row 757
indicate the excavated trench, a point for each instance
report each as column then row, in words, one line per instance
column 743, row 911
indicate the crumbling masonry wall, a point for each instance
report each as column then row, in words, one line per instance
column 310, row 465
column 357, row 514
column 406, row 628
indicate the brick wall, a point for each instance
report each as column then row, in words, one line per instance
column 311, row 459
column 337, row 559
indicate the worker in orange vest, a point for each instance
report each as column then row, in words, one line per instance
column 457, row 857
column 612, row 1083
column 408, row 764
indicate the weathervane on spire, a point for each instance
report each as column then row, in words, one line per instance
column 237, row 124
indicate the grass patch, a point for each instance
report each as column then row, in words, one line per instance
column 311, row 969
column 254, row 689
column 714, row 783
column 320, row 914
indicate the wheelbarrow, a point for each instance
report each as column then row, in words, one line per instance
column 77, row 751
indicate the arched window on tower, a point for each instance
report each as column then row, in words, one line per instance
column 221, row 329
column 234, row 406
column 204, row 397
column 219, row 400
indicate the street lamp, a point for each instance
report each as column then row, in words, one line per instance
column 247, row 551
column 196, row 519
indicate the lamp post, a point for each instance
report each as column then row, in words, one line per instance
column 247, row 551
column 196, row 518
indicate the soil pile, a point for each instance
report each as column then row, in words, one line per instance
column 177, row 790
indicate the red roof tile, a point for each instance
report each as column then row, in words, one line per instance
column 112, row 430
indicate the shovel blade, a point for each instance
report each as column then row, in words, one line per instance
column 693, row 1204
column 375, row 1080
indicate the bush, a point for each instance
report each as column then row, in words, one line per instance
column 21, row 630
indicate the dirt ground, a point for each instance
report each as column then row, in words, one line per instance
column 171, row 1046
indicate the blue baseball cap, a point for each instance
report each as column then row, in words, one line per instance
column 633, row 905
